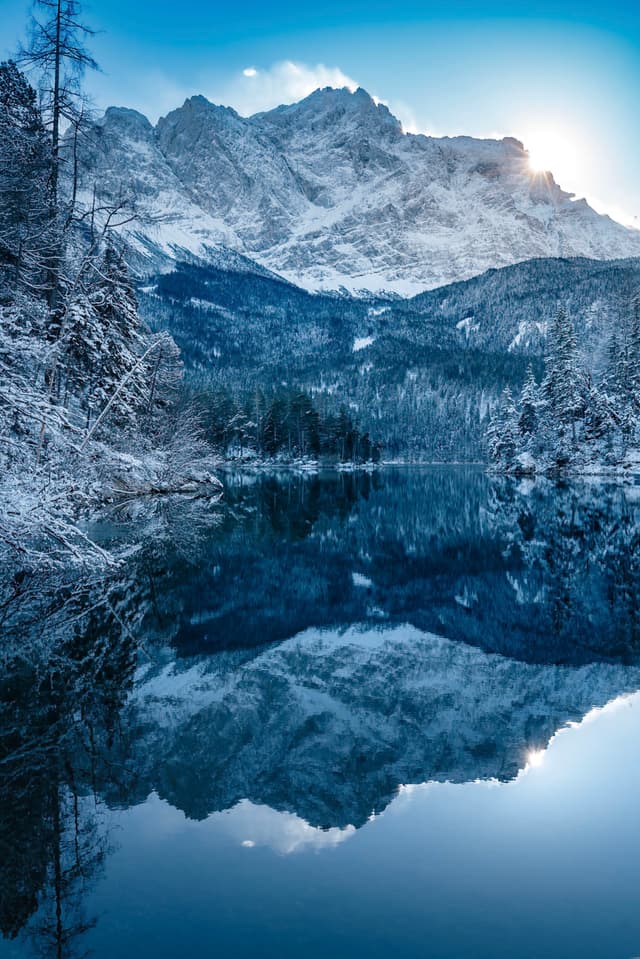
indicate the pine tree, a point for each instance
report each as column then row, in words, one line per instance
column 25, row 196
column 600, row 417
column 612, row 371
column 634, row 349
column 561, row 386
column 528, row 419
column 632, row 371
column 622, row 375
column 105, row 340
column 561, row 383
column 502, row 434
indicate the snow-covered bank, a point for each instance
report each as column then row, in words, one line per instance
column 580, row 466
column 42, row 511
column 298, row 464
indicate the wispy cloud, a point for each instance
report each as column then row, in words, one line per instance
column 404, row 113
column 255, row 88
column 249, row 90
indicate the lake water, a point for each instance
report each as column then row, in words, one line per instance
column 334, row 715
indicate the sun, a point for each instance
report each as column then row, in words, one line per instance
column 550, row 152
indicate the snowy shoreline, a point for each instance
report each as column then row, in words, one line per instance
column 525, row 466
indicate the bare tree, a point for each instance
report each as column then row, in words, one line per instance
column 57, row 51
column 58, row 54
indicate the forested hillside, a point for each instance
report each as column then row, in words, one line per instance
column 420, row 376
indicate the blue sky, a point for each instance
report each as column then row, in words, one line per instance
column 563, row 77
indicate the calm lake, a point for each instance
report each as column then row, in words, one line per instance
column 334, row 715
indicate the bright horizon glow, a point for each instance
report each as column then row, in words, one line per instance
column 564, row 150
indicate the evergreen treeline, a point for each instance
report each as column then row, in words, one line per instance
column 573, row 418
column 285, row 424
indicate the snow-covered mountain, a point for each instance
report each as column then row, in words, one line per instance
column 330, row 192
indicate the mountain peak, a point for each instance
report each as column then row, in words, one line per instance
column 340, row 94
column 199, row 103
column 332, row 97
column 199, row 106
column 328, row 192
column 126, row 118
column 197, row 120
column 330, row 107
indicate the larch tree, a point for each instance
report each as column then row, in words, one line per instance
column 57, row 51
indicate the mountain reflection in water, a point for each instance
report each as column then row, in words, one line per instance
column 283, row 661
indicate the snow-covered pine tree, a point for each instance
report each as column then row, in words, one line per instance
column 561, row 387
column 528, row 418
column 621, row 380
column 25, row 250
column 104, row 345
column 123, row 338
column 25, row 195
column 628, row 374
column 502, row 433
column 601, row 418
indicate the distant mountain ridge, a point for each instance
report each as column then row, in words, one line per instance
column 331, row 193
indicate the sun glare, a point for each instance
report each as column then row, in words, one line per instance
column 550, row 152
column 563, row 155
column 535, row 757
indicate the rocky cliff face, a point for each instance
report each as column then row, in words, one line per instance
column 330, row 192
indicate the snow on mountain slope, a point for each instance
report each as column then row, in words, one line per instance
column 122, row 158
column 330, row 192
column 330, row 722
